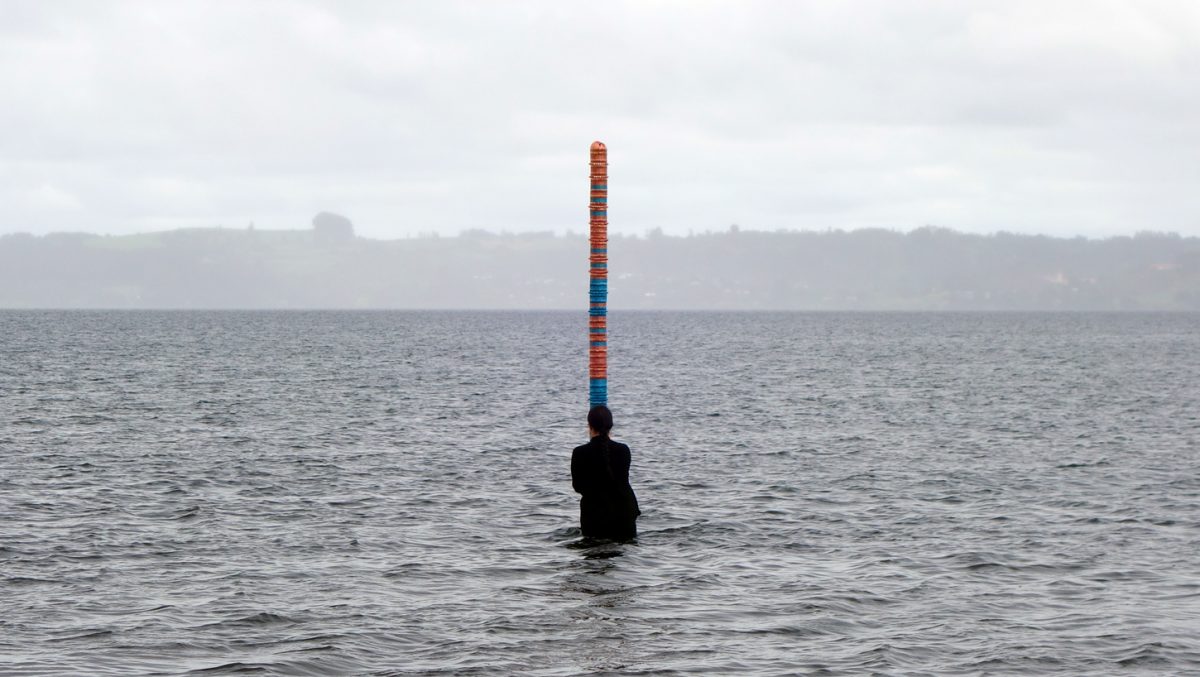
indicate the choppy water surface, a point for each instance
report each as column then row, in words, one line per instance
column 388, row 493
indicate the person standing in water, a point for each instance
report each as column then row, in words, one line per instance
column 608, row 508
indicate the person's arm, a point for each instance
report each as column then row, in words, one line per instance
column 620, row 462
column 577, row 473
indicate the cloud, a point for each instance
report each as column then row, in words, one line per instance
column 1060, row 117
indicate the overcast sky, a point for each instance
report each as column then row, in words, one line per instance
column 1063, row 118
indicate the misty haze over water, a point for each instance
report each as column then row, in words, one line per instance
column 329, row 267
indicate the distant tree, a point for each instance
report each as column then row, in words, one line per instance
column 332, row 228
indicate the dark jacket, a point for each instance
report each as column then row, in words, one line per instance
column 608, row 507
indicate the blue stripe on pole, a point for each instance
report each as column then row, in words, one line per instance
column 598, row 391
column 597, row 312
column 599, row 200
column 600, row 212
column 599, row 186
column 599, row 251
column 598, row 344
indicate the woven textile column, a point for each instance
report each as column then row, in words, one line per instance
column 598, row 272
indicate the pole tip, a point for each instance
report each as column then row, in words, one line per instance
column 596, row 145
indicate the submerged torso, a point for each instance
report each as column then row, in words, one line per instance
column 600, row 473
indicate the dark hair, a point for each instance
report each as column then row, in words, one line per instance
column 600, row 419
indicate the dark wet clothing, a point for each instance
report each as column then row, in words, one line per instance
column 608, row 507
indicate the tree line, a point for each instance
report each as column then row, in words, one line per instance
column 871, row 269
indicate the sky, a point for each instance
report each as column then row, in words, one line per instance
column 1061, row 118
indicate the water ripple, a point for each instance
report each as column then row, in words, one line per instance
column 388, row 494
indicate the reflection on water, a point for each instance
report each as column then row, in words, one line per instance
column 606, row 601
column 599, row 549
column 590, row 573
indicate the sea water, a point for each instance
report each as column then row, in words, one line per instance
column 343, row 493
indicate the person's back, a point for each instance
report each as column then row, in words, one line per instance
column 608, row 507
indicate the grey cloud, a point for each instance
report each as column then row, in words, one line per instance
column 1065, row 117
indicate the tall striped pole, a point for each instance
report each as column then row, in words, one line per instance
column 598, row 289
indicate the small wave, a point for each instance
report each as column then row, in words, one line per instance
column 185, row 514
column 1101, row 463
column 235, row 668
column 795, row 631
column 347, row 502
column 1151, row 653
column 24, row 580
column 563, row 533
column 405, row 569
column 94, row 634
column 259, row 619
column 89, row 419
column 110, row 611
column 308, row 649
column 1130, row 575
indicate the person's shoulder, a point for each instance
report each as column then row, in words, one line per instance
column 580, row 449
column 622, row 446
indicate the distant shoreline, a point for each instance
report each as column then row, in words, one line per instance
column 871, row 270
